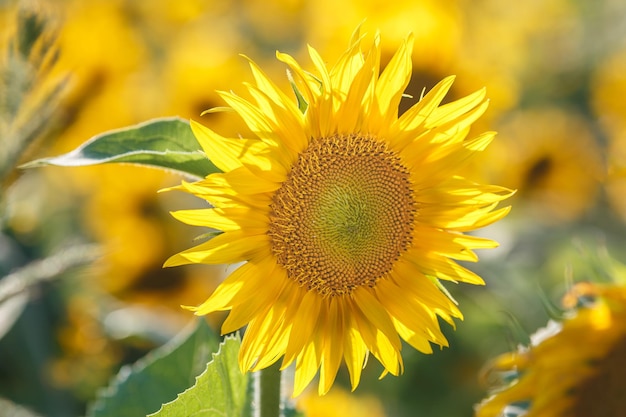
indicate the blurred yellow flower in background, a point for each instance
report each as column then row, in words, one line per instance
column 130, row 219
column 520, row 54
column 104, row 54
column 609, row 88
column 552, row 158
column 427, row 20
column 616, row 177
column 346, row 214
column 574, row 368
column 88, row 356
column 339, row 403
column 191, row 71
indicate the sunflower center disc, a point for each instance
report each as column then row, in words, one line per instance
column 602, row 393
column 344, row 214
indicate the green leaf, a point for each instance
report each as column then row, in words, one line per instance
column 302, row 103
column 142, row 388
column 163, row 143
column 221, row 390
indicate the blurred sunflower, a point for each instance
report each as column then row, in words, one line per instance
column 192, row 72
column 338, row 403
column 95, row 77
column 552, row 158
column 274, row 23
column 347, row 215
column 574, row 368
column 609, row 87
column 615, row 185
column 521, row 53
column 435, row 25
column 127, row 218
column 88, row 357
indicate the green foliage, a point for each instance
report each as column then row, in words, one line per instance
column 142, row 388
column 29, row 96
column 163, row 143
column 10, row 409
column 302, row 103
column 221, row 390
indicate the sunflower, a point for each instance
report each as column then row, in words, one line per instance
column 338, row 403
column 343, row 215
column 574, row 369
column 552, row 158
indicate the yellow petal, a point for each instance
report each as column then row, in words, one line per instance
column 229, row 154
column 324, row 105
column 415, row 116
column 243, row 311
column 452, row 111
column 333, row 346
column 227, row 248
column 377, row 342
column 376, row 314
column 355, row 350
column 391, row 85
column 306, row 367
column 443, row 268
column 304, row 321
column 237, row 287
column 225, row 219
column 410, row 312
column 237, row 182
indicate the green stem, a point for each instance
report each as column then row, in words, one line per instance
column 268, row 397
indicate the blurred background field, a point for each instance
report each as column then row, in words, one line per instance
column 81, row 249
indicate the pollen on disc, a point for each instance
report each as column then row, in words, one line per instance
column 344, row 215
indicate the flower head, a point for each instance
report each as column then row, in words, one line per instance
column 345, row 215
column 575, row 369
column 552, row 159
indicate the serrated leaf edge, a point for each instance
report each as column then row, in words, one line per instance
column 141, row 364
column 236, row 336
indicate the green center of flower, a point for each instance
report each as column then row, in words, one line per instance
column 344, row 214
